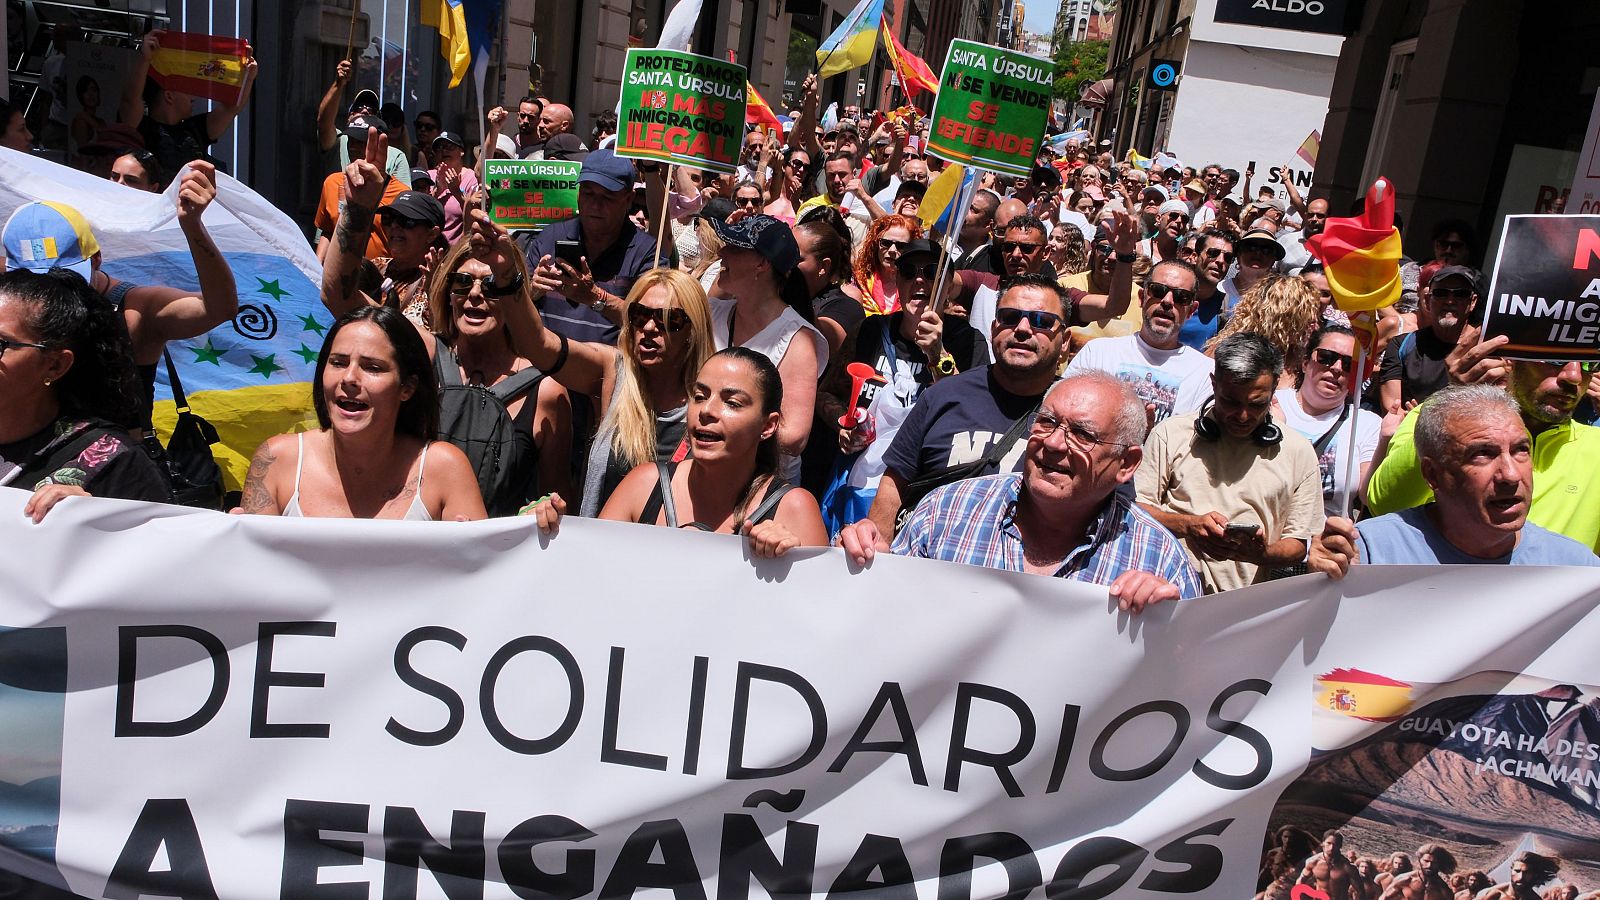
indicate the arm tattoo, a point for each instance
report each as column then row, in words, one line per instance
column 354, row 226
column 256, row 498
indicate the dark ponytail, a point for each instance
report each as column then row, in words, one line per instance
column 770, row 385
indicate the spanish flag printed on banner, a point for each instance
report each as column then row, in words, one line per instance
column 204, row 65
column 1363, row 695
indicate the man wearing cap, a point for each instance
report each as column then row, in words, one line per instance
column 1566, row 495
column 1295, row 254
column 1172, row 222
column 364, row 109
column 412, row 222
column 365, row 129
column 1257, row 252
column 1413, row 367
column 166, row 118
column 1169, row 377
column 583, row 301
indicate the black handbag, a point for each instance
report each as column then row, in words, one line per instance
column 193, row 476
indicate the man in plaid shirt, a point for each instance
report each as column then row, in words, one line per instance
column 1063, row 515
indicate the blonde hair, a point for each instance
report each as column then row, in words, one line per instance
column 632, row 418
column 710, row 246
column 1281, row 308
column 444, row 324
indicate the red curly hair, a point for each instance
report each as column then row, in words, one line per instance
column 867, row 259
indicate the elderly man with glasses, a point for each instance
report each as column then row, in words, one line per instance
column 1063, row 515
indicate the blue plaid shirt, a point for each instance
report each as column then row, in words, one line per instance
column 974, row 522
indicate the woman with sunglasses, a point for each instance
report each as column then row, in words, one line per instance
column 730, row 484
column 643, row 382
column 1319, row 408
column 453, row 182
column 874, row 265
column 787, row 191
column 68, row 395
column 472, row 292
column 375, row 454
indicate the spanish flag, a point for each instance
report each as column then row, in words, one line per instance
column 1363, row 695
column 449, row 18
column 852, row 44
column 202, row 64
column 757, row 112
column 914, row 73
column 1361, row 254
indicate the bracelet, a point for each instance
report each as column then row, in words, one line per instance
column 561, row 355
column 532, row 503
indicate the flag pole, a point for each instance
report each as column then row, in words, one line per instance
column 350, row 36
column 661, row 222
column 1360, row 321
column 963, row 203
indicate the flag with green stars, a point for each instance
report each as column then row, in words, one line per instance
column 250, row 377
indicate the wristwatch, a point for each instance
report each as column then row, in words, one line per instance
column 507, row 289
column 946, row 365
column 1127, row 257
column 598, row 304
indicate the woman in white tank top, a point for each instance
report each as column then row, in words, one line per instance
column 374, row 456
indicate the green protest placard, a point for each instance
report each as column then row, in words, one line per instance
column 991, row 109
column 531, row 193
column 682, row 109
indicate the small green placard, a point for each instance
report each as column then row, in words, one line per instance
column 682, row 109
column 992, row 108
column 531, row 193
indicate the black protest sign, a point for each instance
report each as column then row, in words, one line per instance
column 1545, row 295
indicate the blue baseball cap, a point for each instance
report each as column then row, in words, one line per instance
column 605, row 168
column 41, row 236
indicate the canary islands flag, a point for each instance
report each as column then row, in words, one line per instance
column 449, row 18
column 855, row 40
column 249, row 377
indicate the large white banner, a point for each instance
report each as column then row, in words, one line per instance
column 206, row 706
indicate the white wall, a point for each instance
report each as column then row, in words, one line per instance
column 1237, row 104
column 1205, row 29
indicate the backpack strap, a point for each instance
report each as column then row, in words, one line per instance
column 1408, row 343
column 768, row 508
column 445, row 365
column 516, row 384
column 118, row 295
column 661, row 498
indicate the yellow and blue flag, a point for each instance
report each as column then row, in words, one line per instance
column 249, row 377
column 449, row 18
column 855, row 40
column 943, row 197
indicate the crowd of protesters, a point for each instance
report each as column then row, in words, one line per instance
column 1131, row 373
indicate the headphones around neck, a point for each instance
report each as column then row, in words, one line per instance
column 1266, row 434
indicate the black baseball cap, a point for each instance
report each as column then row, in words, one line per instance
column 417, row 205
column 357, row 129
column 764, row 234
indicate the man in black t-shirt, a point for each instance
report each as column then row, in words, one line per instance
column 1413, row 368
column 964, row 418
column 165, row 118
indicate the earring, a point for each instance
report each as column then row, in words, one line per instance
column 47, row 382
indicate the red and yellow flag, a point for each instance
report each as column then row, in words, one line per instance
column 204, row 65
column 757, row 112
column 914, row 73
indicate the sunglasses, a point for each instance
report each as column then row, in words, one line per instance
column 798, row 163
column 747, row 201
column 391, row 220
column 1025, row 247
column 670, row 321
column 1214, row 252
column 1038, row 319
column 461, row 283
column 1104, row 249
column 1448, row 293
column 1326, row 359
column 891, row 244
column 1179, row 217
column 1159, row 291
column 7, row 345
column 427, row 126
column 913, row 271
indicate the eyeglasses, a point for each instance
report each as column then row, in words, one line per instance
column 913, row 271
column 427, row 126
column 461, row 283
column 891, row 244
column 670, row 321
column 1038, row 319
column 391, row 220
column 1448, row 293
column 7, row 345
column 1215, row 252
column 1159, row 291
column 1326, row 359
column 1013, row 246
column 1188, row 251
column 365, row 111
column 747, row 201
column 1078, row 436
